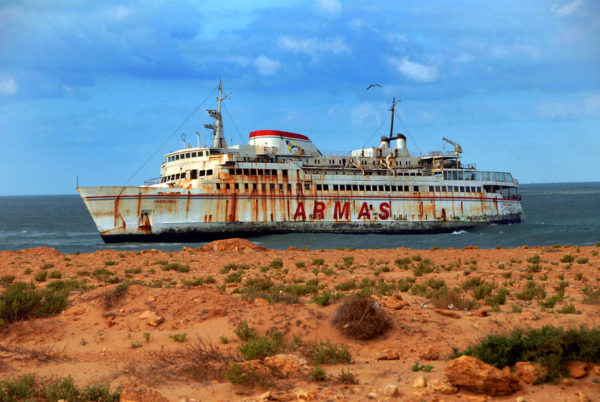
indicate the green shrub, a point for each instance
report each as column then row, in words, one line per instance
column 261, row 346
column 435, row 283
column 550, row 346
column 348, row 261
column 236, row 374
column 277, row 263
column 324, row 299
column 41, row 276
column 402, row 263
column 568, row 309
column 244, row 332
column 532, row 291
column 324, row 352
column 498, row 299
column 29, row 387
column 592, row 295
column 345, row 286
column 472, row 283
column 567, row 258
column 55, row 274
column 317, row 374
column 176, row 267
column 133, row 270
column 551, row 301
column 423, row 267
column 22, row 301
column 234, row 277
column 483, row 290
column 451, row 299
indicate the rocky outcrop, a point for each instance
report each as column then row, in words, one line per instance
column 234, row 244
column 530, row 372
column 475, row 375
column 577, row 369
column 287, row 364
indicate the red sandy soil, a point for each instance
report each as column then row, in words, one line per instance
column 95, row 343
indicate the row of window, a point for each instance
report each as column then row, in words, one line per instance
column 191, row 154
column 472, row 175
column 194, row 174
column 257, row 172
column 394, row 189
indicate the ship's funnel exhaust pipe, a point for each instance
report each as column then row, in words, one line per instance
column 400, row 141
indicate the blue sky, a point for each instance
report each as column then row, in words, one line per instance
column 94, row 88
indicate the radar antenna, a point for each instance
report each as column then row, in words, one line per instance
column 217, row 128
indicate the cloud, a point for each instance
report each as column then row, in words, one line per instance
column 314, row 46
column 565, row 9
column 367, row 114
column 332, row 7
column 266, row 66
column 413, row 70
column 587, row 107
column 8, row 86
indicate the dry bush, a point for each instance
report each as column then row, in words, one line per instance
column 360, row 317
column 41, row 354
column 199, row 361
column 113, row 297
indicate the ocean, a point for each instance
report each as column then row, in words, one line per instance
column 566, row 213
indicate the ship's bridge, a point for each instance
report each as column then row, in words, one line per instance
column 283, row 143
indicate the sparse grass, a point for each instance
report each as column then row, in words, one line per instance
column 178, row 337
column 551, row 301
column 346, row 286
column 224, row 340
column 582, row 260
column 300, row 264
column 483, row 290
column 550, row 346
column 592, row 295
column 260, row 346
column 238, row 375
column 55, row 275
column 318, row 261
column 147, row 336
column 176, row 267
column 423, row 267
column 418, row 367
column 109, row 263
column 451, row 299
column 568, row 309
column 361, row 318
column 133, row 270
column 234, row 277
column 277, row 263
column 347, row 377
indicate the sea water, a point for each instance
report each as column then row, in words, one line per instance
column 554, row 214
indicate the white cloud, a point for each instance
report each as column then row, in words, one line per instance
column 367, row 114
column 587, row 107
column 266, row 66
column 8, row 86
column 562, row 10
column 314, row 46
column 333, row 7
column 413, row 70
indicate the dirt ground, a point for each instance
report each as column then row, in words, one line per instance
column 100, row 337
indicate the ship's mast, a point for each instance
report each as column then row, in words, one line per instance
column 392, row 110
column 218, row 135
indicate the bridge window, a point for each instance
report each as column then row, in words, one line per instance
column 284, row 172
column 272, row 186
column 193, row 174
column 326, row 187
column 335, row 187
column 209, row 172
column 415, row 188
column 306, row 186
column 318, row 187
column 245, row 186
column 289, row 187
column 462, row 189
column 246, row 172
column 431, row 188
column 188, row 155
column 193, row 154
column 218, row 186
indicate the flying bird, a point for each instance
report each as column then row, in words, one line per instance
column 373, row 85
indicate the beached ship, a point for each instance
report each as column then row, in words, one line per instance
column 281, row 183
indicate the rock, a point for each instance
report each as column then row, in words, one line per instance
column 395, row 302
column 143, row 315
column 597, row 369
column 287, row 364
column 447, row 313
column 577, row 369
column 480, row 313
column 234, row 244
column 520, row 399
column 264, row 396
column 372, row 395
column 150, row 299
column 261, row 302
column 154, row 320
column 390, row 390
column 530, row 372
column 567, row 382
column 429, row 353
column 301, row 394
column 475, row 375
column 388, row 354
column 443, row 387
column 419, row 382
column 577, row 397
column 142, row 395
column 257, row 367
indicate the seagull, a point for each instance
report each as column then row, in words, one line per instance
column 373, row 85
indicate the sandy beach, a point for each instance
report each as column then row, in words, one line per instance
column 133, row 319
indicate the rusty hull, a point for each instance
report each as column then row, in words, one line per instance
column 187, row 212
